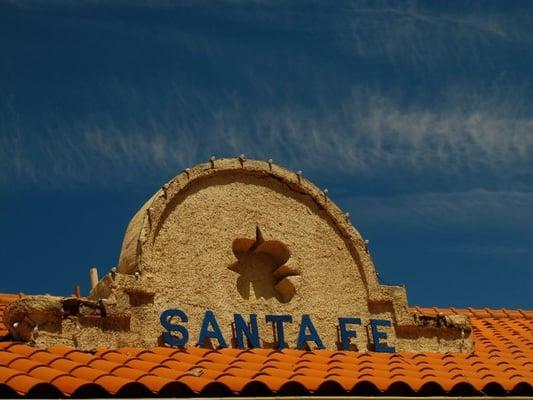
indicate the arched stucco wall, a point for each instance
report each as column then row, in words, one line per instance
column 237, row 236
column 183, row 235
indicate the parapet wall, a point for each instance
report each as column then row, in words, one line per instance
column 247, row 237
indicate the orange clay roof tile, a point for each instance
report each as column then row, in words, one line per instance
column 7, row 373
column 61, row 350
column 248, row 365
column 6, row 358
column 80, row 357
column 165, row 372
column 195, row 383
column 212, row 366
column 502, row 363
column 68, row 384
column 87, row 373
column 177, row 365
column 241, row 372
column 22, row 383
column 141, row 365
column 104, row 365
column 309, row 372
column 111, row 383
column 46, row 374
column 66, row 365
column 206, row 373
column 23, row 349
column 311, row 383
column 154, row 383
column 153, row 358
column 280, row 373
column 24, row 365
column 274, row 383
column 186, row 357
column 198, row 351
column 114, row 356
column 235, row 383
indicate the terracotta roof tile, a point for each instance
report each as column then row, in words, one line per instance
column 23, row 349
column 141, row 365
column 24, row 364
column 241, row 372
column 80, row 356
column 346, row 382
column 248, row 365
column 104, row 365
column 46, row 374
column 186, row 357
column 166, row 372
column 114, row 356
column 212, row 366
column 154, row 383
column 23, row 384
column 153, row 357
column 311, row 383
column 113, row 384
column 61, row 350
column 87, row 373
column 5, row 299
column 310, row 372
column 195, row 383
column 235, row 383
column 64, row 364
column 68, row 384
column 6, row 358
column 502, row 363
column 7, row 373
column 177, row 365
column 274, row 383
column 280, row 373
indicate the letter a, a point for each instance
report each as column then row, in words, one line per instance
column 214, row 333
column 312, row 336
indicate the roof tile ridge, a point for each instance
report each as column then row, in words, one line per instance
column 489, row 311
column 11, row 296
column 477, row 312
column 131, row 351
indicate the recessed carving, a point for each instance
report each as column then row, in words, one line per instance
column 262, row 267
column 140, row 297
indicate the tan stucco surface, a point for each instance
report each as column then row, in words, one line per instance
column 191, row 246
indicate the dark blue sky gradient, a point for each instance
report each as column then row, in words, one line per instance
column 415, row 115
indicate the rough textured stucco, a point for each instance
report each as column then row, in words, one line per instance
column 193, row 246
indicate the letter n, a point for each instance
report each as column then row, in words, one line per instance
column 242, row 329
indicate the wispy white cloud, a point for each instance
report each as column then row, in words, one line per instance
column 469, row 132
column 414, row 34
column 365, row 135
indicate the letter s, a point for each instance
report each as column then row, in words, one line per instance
column 173, row 327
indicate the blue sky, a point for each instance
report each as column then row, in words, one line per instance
column 417, row 116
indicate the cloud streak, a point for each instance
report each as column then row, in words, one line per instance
column 367, row 135
column 134, row 127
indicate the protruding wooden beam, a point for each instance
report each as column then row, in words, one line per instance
column 93, row 273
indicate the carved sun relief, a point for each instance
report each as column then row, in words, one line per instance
column 262, row 267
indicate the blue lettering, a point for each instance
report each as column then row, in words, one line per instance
column 377, row 336
column 346, row 334
column 242, row 329
column 278, row 321
column 168, row 337
column 247, row 332
column 312, row 336
column 214, row 333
